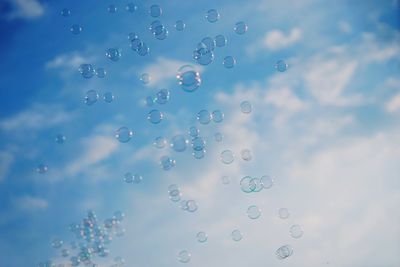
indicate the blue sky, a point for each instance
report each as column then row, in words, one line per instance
column 327, row 130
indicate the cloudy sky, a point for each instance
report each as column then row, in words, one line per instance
column 327, row 130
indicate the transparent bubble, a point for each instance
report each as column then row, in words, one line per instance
column 163, row 35
column 184, row 256
column 180, row 25
column 199, row 154
column 267, row 181
column 160, row 142
column 155, row 11
column 281, row 66
column 60, row 138
column 245, row 107
column 156, row 27
column 155, row 116
column 296, row 231
column 112, row 9
column 283, row 213
column 175, row 195
column 162, row 96
column 145, row 78
column 131, row 7
column 123, row 134
column 167, row 162
column 91, row 97
column 201, row 237
column 113, row 53
column 240, row 28
column 227, row 156
column 207, row 43
column 225, row 180
column 64, row 252
column 173, row 187
column 198, row 144
column 75, row 29
column 217, row 116
column 229, row 62
column 284, row 252
column 220, row 40
column 74, row 261
column 253, row 212
column 246, row 184
column 193, row 131
column 183, row 205
column 218, row 137
column 203, row 56
column 143, row 49
column 204, row 117
column 87, row 71
column 57, row 243
column 65, row 12
column 191, row 205
column 150, row 101
column 188, row 78
column 236, row 235
column 135, row 42
column 108, row 97
column 132, row 178
column 246, row 154
column 101, row 73
column 212, row 15
column 179, row 143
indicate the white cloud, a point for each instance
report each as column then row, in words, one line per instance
column 276, row 39
column 70, row 60
column 29, row 203
column 26, row 9
column 393, row 105
column 345, row 27
column 6, row 160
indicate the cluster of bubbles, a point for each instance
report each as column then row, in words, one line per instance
column 88, row 71
column 137, row 45
column 113, row 53
column 167, row 162
column 161, row 98
column 130, row 178
column 92, row 96
column 250, row 184
column 205, row 117
column 175, row 195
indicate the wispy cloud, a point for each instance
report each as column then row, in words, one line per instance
column 30, row 203
column 393, row 105
column 25, row 9
column 6, row 160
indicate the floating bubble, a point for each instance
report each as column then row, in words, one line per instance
column 199, row 154
column 240, row 28
column 130, row 178
column 155, row 116
column 220, row 40
column 131, row 7
column 218, row 137
column 253, row 212
column 284, row 252
column 183, row 205
column 155, row 11
column 229, row 62
column 203, row 56
column 75, row 29
column 188, row 78
column 74, row 261
column 91, row 97
column 246, row 154
column 256, row 183
column 245, row 107
column 207, row 43
column 135, row 42
column 108, row 97
column 179, row 143
column 156, row 27
column 64, row 252
column 193, row 131
column 173, row 187
column 112, row 9
column 212, row 15
column 191, row 205
column 87, row 71
column 227, row 156
column 167, row 162
column 204, row 117
column 101, row 73
column 236, row 235
column 150, row 101
column 143, row 49
column 123, row 134
column 267, row 181
column 65, row 12
column 162, row 96
column 163, row 35
column 283, row 213
column 184, row 256
column 296, row 231
column 145, row 78
column 175, row 195
column 198, row 144
column 180, row 25
column 201, row 237
column 57, row 243
column 113, row 53
column 225, row 180
column 60, row 138
column 119, row 215
column 217, row 116
column 160, row 142
column 246, row 184
column 281, row 66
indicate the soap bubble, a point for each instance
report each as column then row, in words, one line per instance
column 65, row 12
column 204, row 117
column 131, row 7
column 60, row 138
column 227, row 156
column 207, row 43
column 201, row 237
column 199, row 154
column 229, row 62
column 143, row 49
column 236, row 235
column 135, row 42
column 150, row 101
column 212, row 15
column 225, row 180
column 253, row 212
column 247, row 185
column 108, row 97
column 145, row 78
column 188, row 78
column 193, row 131
column 198, row 144
column 245, row 107
column 246, row 154
column 155, row 11
column 101, row 73
column 217, row 116
column 167, row 162
column 218, row 137
column 180, row 25
column 267, row 181
column 163, row 35
column 284, row 252
column 75, row 29
column 184, row 256
column 174, row 195
column 183, row 205
column 123, row 134
column 220, row 40
column 132, row 178
column 160, row 142
column 179, row 143
column 91, row 97
column 64, row 252
column 283, row 213
column 57, row 243
column 162, row 96
column 112, row 9
column 281, row 66
column 113, row 53
column 203, row 56
column 74, row 261
column 240, row 28
column 87, row 71
column 296, row 231
column 155, row 116
column 191, row 205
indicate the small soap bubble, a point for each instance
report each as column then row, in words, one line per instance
column 218, row 137
column 236, row 235
column 179, row 143
column 180, row 25
column 87, row 71
column 123, row 134
column 143, row 49
column 150, row 101
column 193, row 131
column 198, row 144
column 220, row 40
column 296, row 231
column 184, row 256
column 101, row 73
column 135, row 42
column 112, row 9
column 156, row 27
column 283, row 213
column 183, row 205
column 64, row 252
column 225, row 180
column 217, row 116
column 155, row 116
column 253, row 212
column 160, row 142
column 65, row 12
column 108, row 97
column 284, row 252
column 175, row 195
column 191, row 206
column 199, row 154
column 246, row 184
column 281, row 66
column 229, row 62
column 74, row 261
column 203, row 56
column 188, row 78
column 57, row 243
column 167, row 163
column 60, row 138
column 75, row 29
column 246, row 154
column 145, row 78
column 163, row 35
column 91, row 97
column 201, row 237
column 113, row 53
column 240, row 28
column 207, row 43
column 131, row 7
column 130, row 178
column 245, row 107
column 227, row 156
column 212, row 15
column 162, row 96
column 204, row 117
column 155, row 11
column 267, row 181
column 256, row 184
